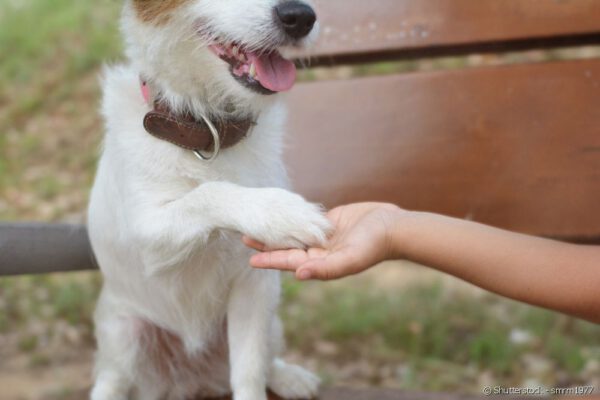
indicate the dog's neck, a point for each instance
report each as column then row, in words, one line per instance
column 197, row 101
column 183, row 129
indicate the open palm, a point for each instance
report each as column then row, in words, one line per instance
column 361, row 239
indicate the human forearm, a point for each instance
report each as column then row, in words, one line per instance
column 543, row 272
column 551, row 274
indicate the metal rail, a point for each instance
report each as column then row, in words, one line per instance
column 38, row 248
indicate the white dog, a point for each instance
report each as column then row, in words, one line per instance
column 181, row 314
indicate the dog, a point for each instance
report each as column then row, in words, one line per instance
column 181, row 315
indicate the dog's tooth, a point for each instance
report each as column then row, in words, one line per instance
column 242, row 57
column 252, row 72
column 235, row 51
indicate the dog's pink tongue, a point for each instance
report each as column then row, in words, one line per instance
column 275, row 72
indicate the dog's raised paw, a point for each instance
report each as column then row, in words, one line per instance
column 292, row 382
column 285, row 220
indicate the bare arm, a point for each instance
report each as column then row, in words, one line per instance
column 547, row 273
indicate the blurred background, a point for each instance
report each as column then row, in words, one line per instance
column 399, row 326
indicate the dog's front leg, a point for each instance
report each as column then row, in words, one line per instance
column 251, row 310
column 169, row 230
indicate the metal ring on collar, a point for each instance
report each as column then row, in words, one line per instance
column 216, row 141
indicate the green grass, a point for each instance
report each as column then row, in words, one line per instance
column 68, row 298
column 426, row 327
column 50, row 44
column 51, row 53
column 441, row 339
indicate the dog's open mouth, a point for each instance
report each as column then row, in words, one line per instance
column 266, row 72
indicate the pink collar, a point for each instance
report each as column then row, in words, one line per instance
column 145, row 91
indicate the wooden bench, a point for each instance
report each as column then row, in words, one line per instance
column 347, row 394
column 514, row 146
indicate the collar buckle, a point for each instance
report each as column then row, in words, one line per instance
column 216, row 142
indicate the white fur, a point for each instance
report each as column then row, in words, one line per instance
column 165, row 227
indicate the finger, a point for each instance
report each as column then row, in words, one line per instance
column 285, row 260
column 253, row 244
column 317, row 252
column 333, row 266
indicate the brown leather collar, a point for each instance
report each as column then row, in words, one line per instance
column 188, row 132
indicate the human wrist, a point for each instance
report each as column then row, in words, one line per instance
column 399, row 235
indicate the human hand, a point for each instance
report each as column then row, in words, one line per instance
column 362, row 237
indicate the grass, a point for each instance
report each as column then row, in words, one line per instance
column 49, row 130
column 424, row 337
column 68, row 298
column 427, row 326
column 433, row 338
column 53, row 42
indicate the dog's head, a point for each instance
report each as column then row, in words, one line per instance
column 232, row 47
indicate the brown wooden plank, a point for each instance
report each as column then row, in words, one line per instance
column 351, row 27
column 515, row 146
column 340, row 394
column 387, row 394
column 354, row 394
column 378, row 394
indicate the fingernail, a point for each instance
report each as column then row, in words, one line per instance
column 304, row 275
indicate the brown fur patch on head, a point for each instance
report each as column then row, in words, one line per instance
column 156, row 12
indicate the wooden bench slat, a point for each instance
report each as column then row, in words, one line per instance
column 388, row 394
column 516, row 147
column 353, row 29
column 344, row 394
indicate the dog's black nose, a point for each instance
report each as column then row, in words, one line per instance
column 296, row 18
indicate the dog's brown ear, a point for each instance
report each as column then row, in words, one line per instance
column 156, row 12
